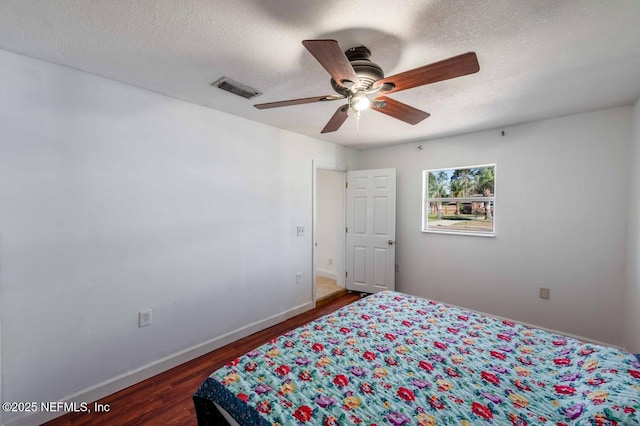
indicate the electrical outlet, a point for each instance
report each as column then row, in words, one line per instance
column 545, row 293
column 300, row 231
column 330, row 262
column 299, row 278
column 144, row 318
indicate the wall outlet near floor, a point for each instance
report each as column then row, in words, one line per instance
column 144, row 318
column 545, row 293
column 298, row 277
column 300, row 231
column 330, row 261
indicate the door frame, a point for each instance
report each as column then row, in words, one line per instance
column 315, row 165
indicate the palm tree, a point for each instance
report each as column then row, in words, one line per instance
column 457, row 189
column 438, row 189
column 485, row 179
column 466, row 177
column 462, row 182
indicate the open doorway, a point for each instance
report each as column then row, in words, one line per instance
column 329, row 234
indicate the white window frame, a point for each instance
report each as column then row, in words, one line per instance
column 426, row 200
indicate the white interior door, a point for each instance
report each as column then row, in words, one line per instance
column 371, row 230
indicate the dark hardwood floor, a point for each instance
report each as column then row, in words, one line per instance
column 165, row 399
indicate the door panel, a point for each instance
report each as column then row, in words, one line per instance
column 360, row 267
column 380, row 267
column 380, row 215
column 359, row 182
column 359, row 224
column 371, row 228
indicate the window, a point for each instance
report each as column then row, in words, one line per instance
column 459, row 200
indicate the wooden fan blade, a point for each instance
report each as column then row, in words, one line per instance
column 401, row 111
column 333, row 59
column 457, row 66
column 298, row 101
column 336, row 120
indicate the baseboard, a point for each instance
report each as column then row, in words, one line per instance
column 123, row 381
column 325, row 300
column 326, row 274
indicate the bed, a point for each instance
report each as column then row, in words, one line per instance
column 395, row 359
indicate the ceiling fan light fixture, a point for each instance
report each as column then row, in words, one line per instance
column 360, row 101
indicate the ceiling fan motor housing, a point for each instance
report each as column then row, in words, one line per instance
column 368, row 72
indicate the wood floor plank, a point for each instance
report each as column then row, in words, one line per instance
column 165, row 399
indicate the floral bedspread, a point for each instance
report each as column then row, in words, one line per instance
column 394, row 359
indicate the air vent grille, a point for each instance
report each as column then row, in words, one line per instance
column 236, row 88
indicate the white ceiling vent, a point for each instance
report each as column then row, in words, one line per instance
column 236, row 88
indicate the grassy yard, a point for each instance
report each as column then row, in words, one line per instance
column 464, row 221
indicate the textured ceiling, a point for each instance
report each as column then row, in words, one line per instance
column 538, row 59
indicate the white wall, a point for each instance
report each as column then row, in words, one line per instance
column 114, row 199
column 561, row 203
column 330, row 221
column 632, row 290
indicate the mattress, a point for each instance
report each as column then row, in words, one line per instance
column 395, row 359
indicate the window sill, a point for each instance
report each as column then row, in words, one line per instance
column 471, row 234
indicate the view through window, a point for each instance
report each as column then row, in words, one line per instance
column 459, row 200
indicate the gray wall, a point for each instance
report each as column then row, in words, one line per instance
column 114, row 199
column 561, row 213
column 632, row 290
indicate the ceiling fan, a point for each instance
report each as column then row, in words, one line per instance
column 363, row 84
